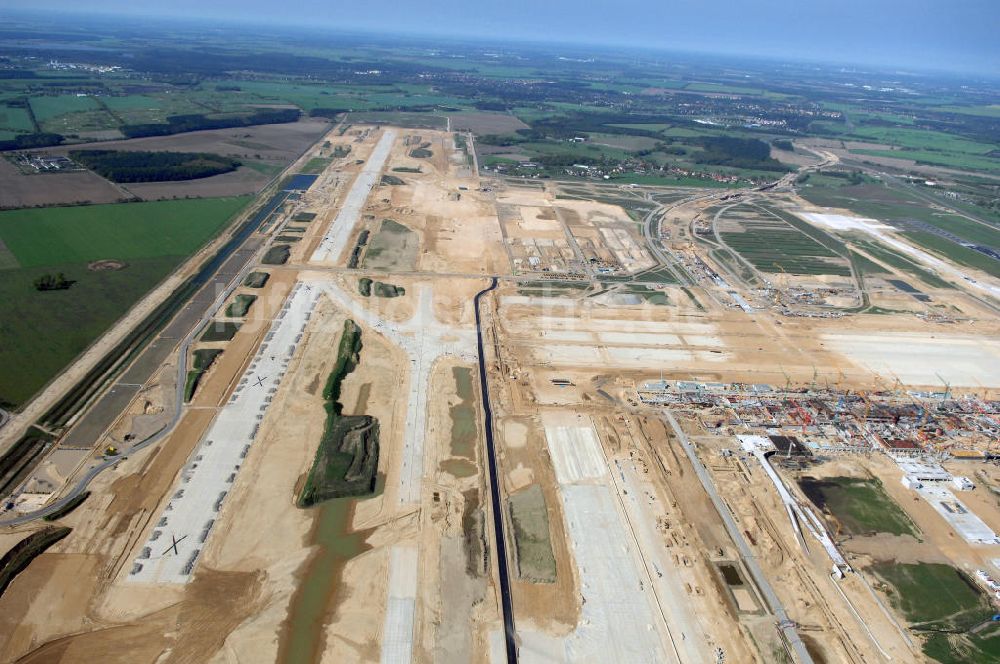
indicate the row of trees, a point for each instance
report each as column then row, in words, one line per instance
column 29, row 141
column 177, row 124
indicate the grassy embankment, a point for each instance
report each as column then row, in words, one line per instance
column 203, row 359
column 68, row 507
column 256, row 279
column 346, row 462
column 859, row 506
column 239, row 307
column 20, row 556
column 367, row 287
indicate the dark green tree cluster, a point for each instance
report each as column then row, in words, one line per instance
column 48, row 282
column 28, row 141
column 128, row 166
column 738, row 153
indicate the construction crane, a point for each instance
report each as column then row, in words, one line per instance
column 788, row 380
column 868, row 404
column 897, row 386
column 783, row 280
column 947, row 387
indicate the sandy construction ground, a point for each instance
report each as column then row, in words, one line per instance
column 618, row 619
column 623, row 555
column 578, row 334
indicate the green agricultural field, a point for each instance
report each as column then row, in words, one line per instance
column 956, row 252
column 124, row 231
column 41, row 332
column 943, row 606
column 401, row 119
column 922, row 139
column 46, row 108
column 930, row 593
column 69, row 114
column 885, row 204
column 565, row 148
column 961, row 161
column 991, row 111
column 774, row 245
column 316, row 165
column 15, row 120
column 983, row 647
column 147, row 109
column 643, row 127
column 660, row 275
column 860, row 506
column 132, row 103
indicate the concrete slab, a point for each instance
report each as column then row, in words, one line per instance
column 397, row 640
column 576, row 453
column 969, row 526
column 923, row 359
column 335, row 240
column 200, row 491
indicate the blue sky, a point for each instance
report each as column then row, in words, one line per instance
column 917, row 34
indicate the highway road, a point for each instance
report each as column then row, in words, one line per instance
column 510, row 639
column 785, row 624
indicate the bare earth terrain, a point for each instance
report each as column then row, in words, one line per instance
column 661, row 414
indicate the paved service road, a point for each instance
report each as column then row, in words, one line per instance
column 784, row 623
column 491, row 456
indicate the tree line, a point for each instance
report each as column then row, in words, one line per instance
column 178, row 124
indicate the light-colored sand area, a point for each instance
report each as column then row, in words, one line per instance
column 924, row 359
column 885, row 235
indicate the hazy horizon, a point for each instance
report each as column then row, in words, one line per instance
column 919, row 35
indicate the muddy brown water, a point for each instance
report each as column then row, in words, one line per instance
column 464, row 431
column 459, row 468
column 319, row 587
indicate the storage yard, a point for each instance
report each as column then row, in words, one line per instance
column 705, row 447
